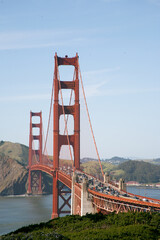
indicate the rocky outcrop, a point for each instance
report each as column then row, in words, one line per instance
column 13, row 170
column 13, row 176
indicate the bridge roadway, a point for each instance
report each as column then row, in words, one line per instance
column 104, row 201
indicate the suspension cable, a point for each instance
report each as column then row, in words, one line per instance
column 46, row 155
column 66, row 129
column 94, row 140
column 50, row 111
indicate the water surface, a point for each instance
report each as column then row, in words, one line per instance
column 18, row 211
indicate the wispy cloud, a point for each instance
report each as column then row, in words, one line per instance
column 38, row 39
column 101, row 71
column 130, row 91
column 25, row 98
column 39, row 45
column 100, row 89
column 94, row 90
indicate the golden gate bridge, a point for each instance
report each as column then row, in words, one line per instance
column 80, row 192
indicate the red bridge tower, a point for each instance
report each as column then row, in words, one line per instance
column 59, row 140
column 35, row 156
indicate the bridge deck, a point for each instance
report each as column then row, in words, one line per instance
column 151, row 203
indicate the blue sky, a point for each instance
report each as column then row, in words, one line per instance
column 118, row 43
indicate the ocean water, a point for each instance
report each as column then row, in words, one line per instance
column 146, row 192
column 18, row 211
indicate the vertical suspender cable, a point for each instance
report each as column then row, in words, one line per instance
column 50, row 111
column 46, row 155
column 90, row 121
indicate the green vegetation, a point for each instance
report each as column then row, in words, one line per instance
column 131, row 170
column 117, row 173
column 140, row 171
column 14, row 159
column 107, row 167
column 91, row 167
column 124, row 226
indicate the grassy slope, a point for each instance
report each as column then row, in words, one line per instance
column 13, row 176
column 19, row 153
column 140, row 171
column 15, row 151
column 13, row 172
column 128, row 226
column 93, row 168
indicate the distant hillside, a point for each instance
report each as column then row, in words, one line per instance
column 91, row 167
column 13, row 172
column 13, row 176
column 131, row 170
column 83, row 160
column 14, row 159
column 15, row 151
column 113, row 160
column 156, row 161
column 140, row 171
column 116, row 160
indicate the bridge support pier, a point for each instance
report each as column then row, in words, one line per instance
column 122, row 185
column 83, row 205
column 106, row 178
column 86, row 203
column 29, row 191
column 55, row 196
column 72, row 195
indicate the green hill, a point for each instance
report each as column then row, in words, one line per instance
column 131, row 170
column 116, row 160
column 13, row 171
column 15, row 151
column 91, row 167
column 13, row 176
column 140, row 171
column 14, row 159
column 156, row 161
column 124, row 226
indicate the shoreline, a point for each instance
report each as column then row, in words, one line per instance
column 145, row 187
column 45, row 194
column 25, row 195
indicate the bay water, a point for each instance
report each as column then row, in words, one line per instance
column 18, row 211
